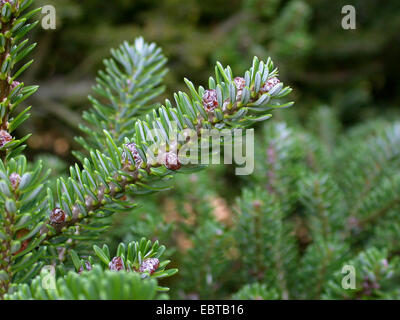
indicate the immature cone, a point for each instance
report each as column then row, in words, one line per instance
column 116, row 264
column 354, row 224
column 15, row 84
column 14, row 3
column 240, row 83
column 88, row 267
column 57, row 216
column 369, row 285
column 171, row 161
column 135, row 155
column 4, row 138
column 269, row 84
column 210, row 101
column 15, row 179
column 149, row 265
column 257, row 204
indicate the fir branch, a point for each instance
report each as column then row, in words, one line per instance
column 266, row 245
column 129, row 84
column 374, row 161
column 86, row 286
column 108, row 176
column 14, row 26
column 374, row 277
column 20, row 213
column 14, row 180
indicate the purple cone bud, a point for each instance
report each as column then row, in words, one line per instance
column 240, row 83
column 57, row 216
column 135, row 155
column 88, row 267
column 210, row 101
column 15, row 180
column 171, row 161
column 116, row 264
column 149, row 265
column 5, row 137
column 269, row 84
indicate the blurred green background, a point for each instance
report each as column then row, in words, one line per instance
column 352, row 71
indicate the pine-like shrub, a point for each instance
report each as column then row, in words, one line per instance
column 46, row 223
column 117, row 226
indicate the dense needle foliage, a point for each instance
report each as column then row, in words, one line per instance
column 321, row 196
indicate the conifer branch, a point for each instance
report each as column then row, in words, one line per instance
column 130, row 82
column 13, row 28
column 107, row 177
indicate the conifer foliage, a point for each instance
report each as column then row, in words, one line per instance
column 321, row 199
column 41, row 222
